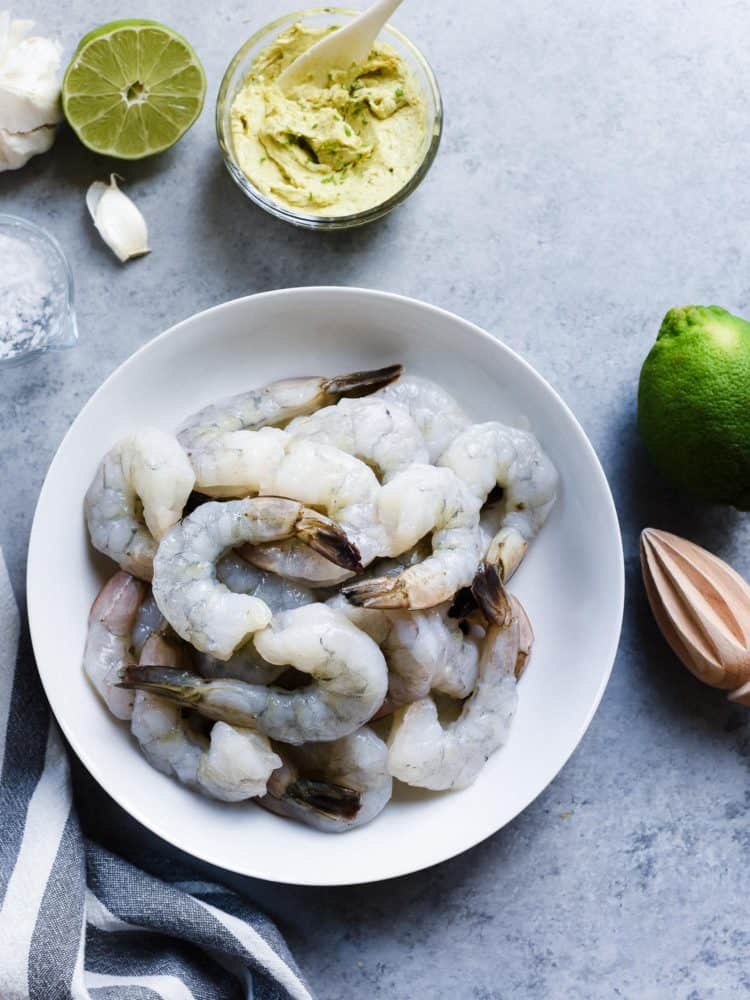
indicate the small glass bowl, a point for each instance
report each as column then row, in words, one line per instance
column 318, row 17
column 37, row 313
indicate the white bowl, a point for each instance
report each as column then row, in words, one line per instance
column 571, row 581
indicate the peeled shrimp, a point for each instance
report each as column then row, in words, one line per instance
column 488, row 455
column 272, row 462
column 379, row 432
column 277, row 403
column 334, row 786
column 246, row 663
column 242, row 578
column 295, row 563
column 324, row 477
column 200, row 608
column 232, row 764
column 419, row 500
column 108, row 650
column 435, row 412
column 434, row 649
column 348, row 670
column 148, row 620
column 424, row 752
column 145, row 472
column 424, row 650
column 226, row 451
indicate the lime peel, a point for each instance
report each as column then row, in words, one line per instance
column 694, row 401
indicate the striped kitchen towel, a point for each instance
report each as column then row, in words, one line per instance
column 77, row 921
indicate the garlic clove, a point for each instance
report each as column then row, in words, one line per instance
column 29, row 92
column 701, row 605
column 12, row 32
column 17, row 148
column 29, row 85
column 120, row 223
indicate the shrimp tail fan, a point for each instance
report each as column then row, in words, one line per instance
column 357, row 384
column 492, row 597
column 325, row 537
column 337, row 801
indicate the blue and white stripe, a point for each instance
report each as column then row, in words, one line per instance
column 76, row 920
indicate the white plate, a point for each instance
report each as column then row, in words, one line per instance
column 571, row 581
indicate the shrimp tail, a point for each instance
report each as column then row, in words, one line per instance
column 357, row 384
column 177, row 685
column 325, row 537
column 505, row 552
column 464, row 604
column 504, row 555
column 336, row 801
column 492, row 597
column 382, row 592
column 525, row 636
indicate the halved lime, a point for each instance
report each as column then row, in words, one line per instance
column 132, row 88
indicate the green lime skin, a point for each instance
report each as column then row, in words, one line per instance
column 694, row 403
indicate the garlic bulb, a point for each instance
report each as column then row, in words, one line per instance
column 29, row 92
column 120, row 223
column 702, row 607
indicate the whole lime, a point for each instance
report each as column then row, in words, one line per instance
column 694, row 403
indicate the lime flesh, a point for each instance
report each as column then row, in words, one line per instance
column 132, row 89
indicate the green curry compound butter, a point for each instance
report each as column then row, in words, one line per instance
column 336, row 150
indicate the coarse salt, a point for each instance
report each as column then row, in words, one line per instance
column 33, row 303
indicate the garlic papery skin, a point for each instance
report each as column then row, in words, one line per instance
column 17, row 148
column 29, row 92
column 120, row 223
column 702, row 607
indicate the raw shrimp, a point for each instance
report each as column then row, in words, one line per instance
column 503, row 552
column 298, row 567
column 272, row 462
column 424, row 752
column 245, row 663
column 424, row 650
column 236, row 462
column 232, row 764
column 295, row 563
column 348, row 670
column 421, row 499
column 200, row 608
column 138, row 493
column 488, row 455
column 334, row 786
column 431, row 650
column 148, row 620
column 435, row 412
column 489, row 603
column 242, row 578
column 222, row 440
column 503, row 547
column 378, row 432
column 525, row 636
column 109, row 648
column 277, row 403
column 322, row 476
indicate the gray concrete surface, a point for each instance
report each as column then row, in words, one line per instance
column 595, row 171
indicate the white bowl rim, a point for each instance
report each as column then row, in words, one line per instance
column 152, row 824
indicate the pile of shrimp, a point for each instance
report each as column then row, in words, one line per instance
column 311, row 596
